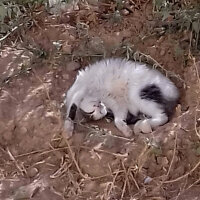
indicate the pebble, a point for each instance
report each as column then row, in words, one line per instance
column 66, row 76
column 125, row 12
column 161, row 39
column 32, row 172
column 147, row 180
column 162, row 52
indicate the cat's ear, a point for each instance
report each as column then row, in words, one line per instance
column 72, row 111
column 69, row 121
column 72, row 104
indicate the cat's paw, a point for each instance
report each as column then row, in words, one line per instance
column 68, row 128
column 124, row 128
column 127, row 132
column 142, row 126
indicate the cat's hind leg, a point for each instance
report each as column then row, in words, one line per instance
column 157, row 117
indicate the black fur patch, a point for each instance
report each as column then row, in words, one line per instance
column 130, row 119
column 72, row 112
column 152, row 93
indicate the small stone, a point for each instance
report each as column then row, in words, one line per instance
column 163, row 161
column 32, row 172
column 66, row 76
column 65, row 36
column 160, row 40
column 147, row 180
column 72, row 38
column 162, row 52
column 125, row 12
column 67, row 48
column 72, row 66
column 23, row 130
column 8, row 135
column 76, row 7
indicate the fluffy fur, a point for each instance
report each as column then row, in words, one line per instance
column 122, row 86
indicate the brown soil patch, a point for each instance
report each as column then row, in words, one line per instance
column 97, row 162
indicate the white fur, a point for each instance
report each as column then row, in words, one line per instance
column 117, row 84
column 92, row 105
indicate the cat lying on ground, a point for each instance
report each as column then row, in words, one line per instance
column 123, row 87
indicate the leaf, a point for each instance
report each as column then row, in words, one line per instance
column 9, row 13
column 178, row 51
column 4, row 28
column 186, row 24
column 159, row 4
column 165, row 14
column 198, row 151
column 196, row 26
column 3, row 12
column 156, row 151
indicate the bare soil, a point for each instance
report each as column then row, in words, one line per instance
column 36, row 162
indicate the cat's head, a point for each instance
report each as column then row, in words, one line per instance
column 92, row 108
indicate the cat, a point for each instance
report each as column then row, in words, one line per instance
column 122, row 86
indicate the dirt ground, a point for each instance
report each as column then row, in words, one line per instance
column 97, row 163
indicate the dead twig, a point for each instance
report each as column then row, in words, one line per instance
column 173, row 156
column 113, row 183
column 42, row 152
column 106, row 152
column 195, row 116
column 74, row 160
column 106, row 175
column 126, row 182
column 64, row 167
column 184, row 176
column 10, row 32
column 135, row 182
column 20, row 168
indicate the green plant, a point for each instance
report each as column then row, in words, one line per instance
column 179, row 17
column 16, row 14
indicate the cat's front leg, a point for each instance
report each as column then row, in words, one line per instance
column 120, row 111
column 123, row 127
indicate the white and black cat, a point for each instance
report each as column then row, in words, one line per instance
column 123, row 87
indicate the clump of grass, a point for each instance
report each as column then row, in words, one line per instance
column 178, row 17
column 16, row 16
